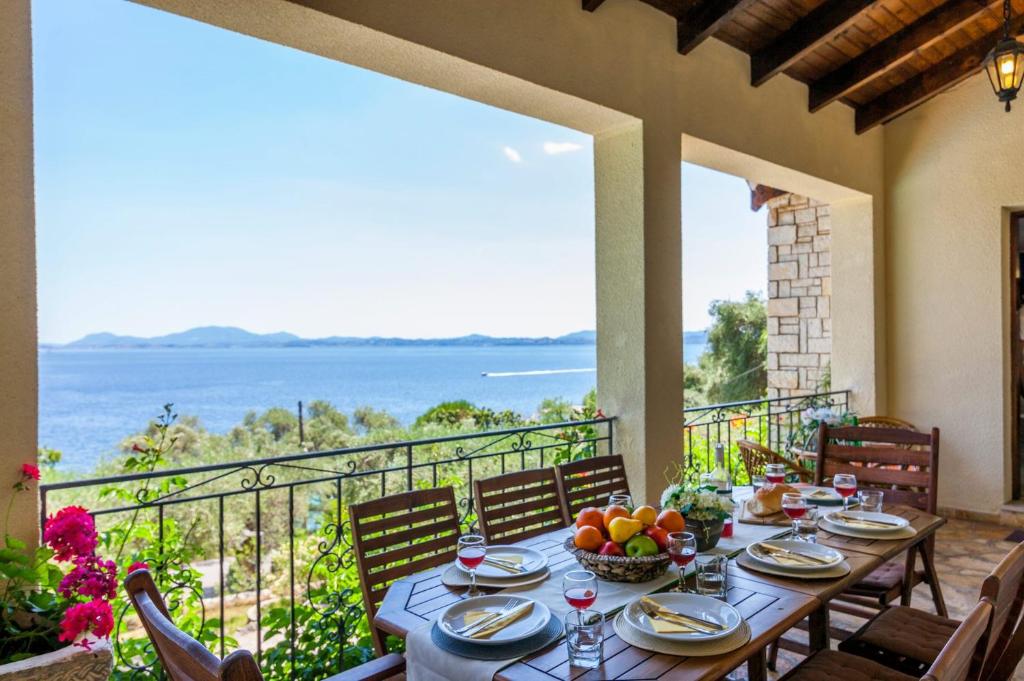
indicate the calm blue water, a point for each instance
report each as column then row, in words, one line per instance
column 89, row 400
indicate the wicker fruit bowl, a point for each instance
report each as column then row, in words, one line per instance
column 620, row 568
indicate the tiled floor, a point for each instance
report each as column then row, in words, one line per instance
column 965, row 553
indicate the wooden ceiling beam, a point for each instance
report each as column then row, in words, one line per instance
column 591, row 5
column 703, row 19
column 895, row 49
column 804, row 36
column 960, row 65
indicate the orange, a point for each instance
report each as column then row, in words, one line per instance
column 645, row 514
column 613, row 512
column 590, row 516
column 671, row 520
column 589, row 538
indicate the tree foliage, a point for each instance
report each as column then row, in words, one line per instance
column 733, row 367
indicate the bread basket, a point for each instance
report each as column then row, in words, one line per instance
column 620, row 568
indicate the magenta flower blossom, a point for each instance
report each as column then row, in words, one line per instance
column 70, row 533
column 92, row 577
column 92, row 617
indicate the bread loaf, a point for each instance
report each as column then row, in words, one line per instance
column 768, row 500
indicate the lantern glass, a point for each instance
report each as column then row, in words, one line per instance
column 1005, row 68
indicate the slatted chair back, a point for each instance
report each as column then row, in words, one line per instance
column 400, row 535
column 756, row 458
column 589, row 482
column 880, row 460
column 961, row 658
column 519, row 505
column 182, row 657
column 1004, row 588
column 886, row 422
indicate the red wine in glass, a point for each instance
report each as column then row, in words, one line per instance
column 472, row 557
column 846, row 485
column 775, row 479
column 794, row 511
column 683, row 557
column 846, row 490
column 580, row 598
column 775, row 473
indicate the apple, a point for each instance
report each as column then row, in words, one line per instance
column 660, row 537
column 610, row 548
column 641, row 545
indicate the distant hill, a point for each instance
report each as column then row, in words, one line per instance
column 233, row 337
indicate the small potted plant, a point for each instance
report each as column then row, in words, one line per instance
column 55, row 622
column 704, row 508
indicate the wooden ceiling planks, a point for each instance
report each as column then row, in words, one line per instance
column 883, row 57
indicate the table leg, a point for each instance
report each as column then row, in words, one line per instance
column 928, row 559
column 908, row 577
column 818, row 629
column 757, row 666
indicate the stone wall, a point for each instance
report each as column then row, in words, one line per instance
column 799, row 295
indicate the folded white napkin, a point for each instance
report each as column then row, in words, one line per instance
column 426, row 662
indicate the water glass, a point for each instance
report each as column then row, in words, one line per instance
column 621, row 500
column 712, row 574
column 584, row 637
column 871, row 500
column 757, row 482
column 806, row 528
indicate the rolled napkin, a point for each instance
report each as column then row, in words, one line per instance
column 502, row 622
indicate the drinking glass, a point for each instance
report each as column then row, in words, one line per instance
column 807, row 527
column 846, row 485
column 795, row 507
column 712, row 574
column 757, row 482
column 584, row 637
column 471, row 553
column 579, row 587
column 871, row 500
column 682, row 549
column 775, row 473
column 621, row 500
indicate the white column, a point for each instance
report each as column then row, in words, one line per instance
column 18, row 389
column 639, row 298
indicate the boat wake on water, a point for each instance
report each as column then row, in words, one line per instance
column 536, row 372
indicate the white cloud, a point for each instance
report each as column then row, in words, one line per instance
column 512, row 155
column 553, row 148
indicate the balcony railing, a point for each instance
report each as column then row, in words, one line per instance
column 775, row 423
column 257, row 553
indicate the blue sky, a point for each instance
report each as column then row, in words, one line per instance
column 186, row 175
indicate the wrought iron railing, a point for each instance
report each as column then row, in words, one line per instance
column 775, row 422
column 286, row 519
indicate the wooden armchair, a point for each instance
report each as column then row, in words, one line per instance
column 756, row 457
column 186, row 659
column 400, row 535
column 519, row 505
column 589, row 482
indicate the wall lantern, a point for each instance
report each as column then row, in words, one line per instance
column 1005, row 63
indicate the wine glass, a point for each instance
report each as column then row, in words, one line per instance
column 471, row 553
column 580, row 589
column 795, row 507
column 775, row 473
column 846, row 485
column 682, row 549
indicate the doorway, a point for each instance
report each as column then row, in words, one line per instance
column 1016, row 251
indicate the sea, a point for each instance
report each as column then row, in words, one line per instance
column 89, row 400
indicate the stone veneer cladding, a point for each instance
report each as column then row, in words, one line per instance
column 799, row 295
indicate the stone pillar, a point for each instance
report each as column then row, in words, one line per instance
column 799, row 295
column 639, row 298
column 18, row 389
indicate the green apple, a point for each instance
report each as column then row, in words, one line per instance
column 641, row 545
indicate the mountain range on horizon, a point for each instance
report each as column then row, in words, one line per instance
column 234, row 337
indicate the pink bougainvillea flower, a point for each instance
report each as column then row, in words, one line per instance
column 599, row 414
column 138, row 565
column 70, row 533
column 92, row 577
column 30, row 471
column 92, row 617
column 137, row 448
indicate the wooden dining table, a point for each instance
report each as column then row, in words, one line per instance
column 771, row 605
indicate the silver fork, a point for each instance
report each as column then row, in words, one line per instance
column 511, row 603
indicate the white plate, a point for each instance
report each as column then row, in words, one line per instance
column 833, row 498
column 902, row 533
column 745, row 561
column 704, row 607
column 454, row 618
column 534, row 561
column 833, row 557
column 900, row 523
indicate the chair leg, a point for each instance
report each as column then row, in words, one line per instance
column 773, row 656
column 932, row 577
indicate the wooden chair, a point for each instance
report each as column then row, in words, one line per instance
column 589, row 482
column 910, row 640
column 756, row 457
column 185, row 659
column 886, row 422
column 959, row 660
column 400, row 535
column 520, row 505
